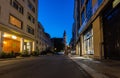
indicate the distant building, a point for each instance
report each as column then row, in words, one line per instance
column 64, row 41
column 58, row 44
column 98, row 33
column 76, row 24
column 44, row 40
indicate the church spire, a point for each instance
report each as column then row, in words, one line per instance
column 64, row 38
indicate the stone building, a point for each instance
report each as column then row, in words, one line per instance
column 98, row 34
column 18, row 24
column 44, row 41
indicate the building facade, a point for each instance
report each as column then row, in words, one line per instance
column 76, row 24
column 18, row 24
column 58, row 44
column 99, row 28
column 43, row 39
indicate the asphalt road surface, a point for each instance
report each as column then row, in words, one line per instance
column 42, row 67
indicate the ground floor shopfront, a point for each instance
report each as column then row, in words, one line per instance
column 90, row 41
column 84, row 46
column 13, row 43
column 104, row 41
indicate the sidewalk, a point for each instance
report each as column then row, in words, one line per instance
column 99, row 68
column 5, row 59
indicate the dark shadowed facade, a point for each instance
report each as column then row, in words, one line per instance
column 58, row 44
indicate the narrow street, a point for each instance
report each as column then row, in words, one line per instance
column 42, row 67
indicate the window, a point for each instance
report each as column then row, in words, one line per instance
column 16, row 5
column 14, row 21
column 37, row 41
column 89, row 9
column 31, row 18
column 30, row 30
column 34, row 1
column 83, row 17
column 99, row 2
column 31, row 7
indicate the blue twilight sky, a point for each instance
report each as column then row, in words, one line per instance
column 56, row 16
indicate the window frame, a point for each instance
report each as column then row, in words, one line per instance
column 30, row 30
column 32, row 19
column 21, row 27
column 19, row 7
column 31, row 7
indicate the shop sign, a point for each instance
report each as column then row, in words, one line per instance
column 115, row 3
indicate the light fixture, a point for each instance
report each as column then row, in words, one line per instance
column 55, row 48
column 14, row 37
column 5, row 35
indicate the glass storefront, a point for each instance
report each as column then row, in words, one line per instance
column 88, row 42
column 12, row 43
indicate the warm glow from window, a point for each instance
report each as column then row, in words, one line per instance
column 6, row 35
column 14, row 21
column 14, row 37
column 4, row 42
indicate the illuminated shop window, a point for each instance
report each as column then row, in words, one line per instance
column 14, row 21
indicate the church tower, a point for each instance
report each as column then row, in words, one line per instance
column 64, row 41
